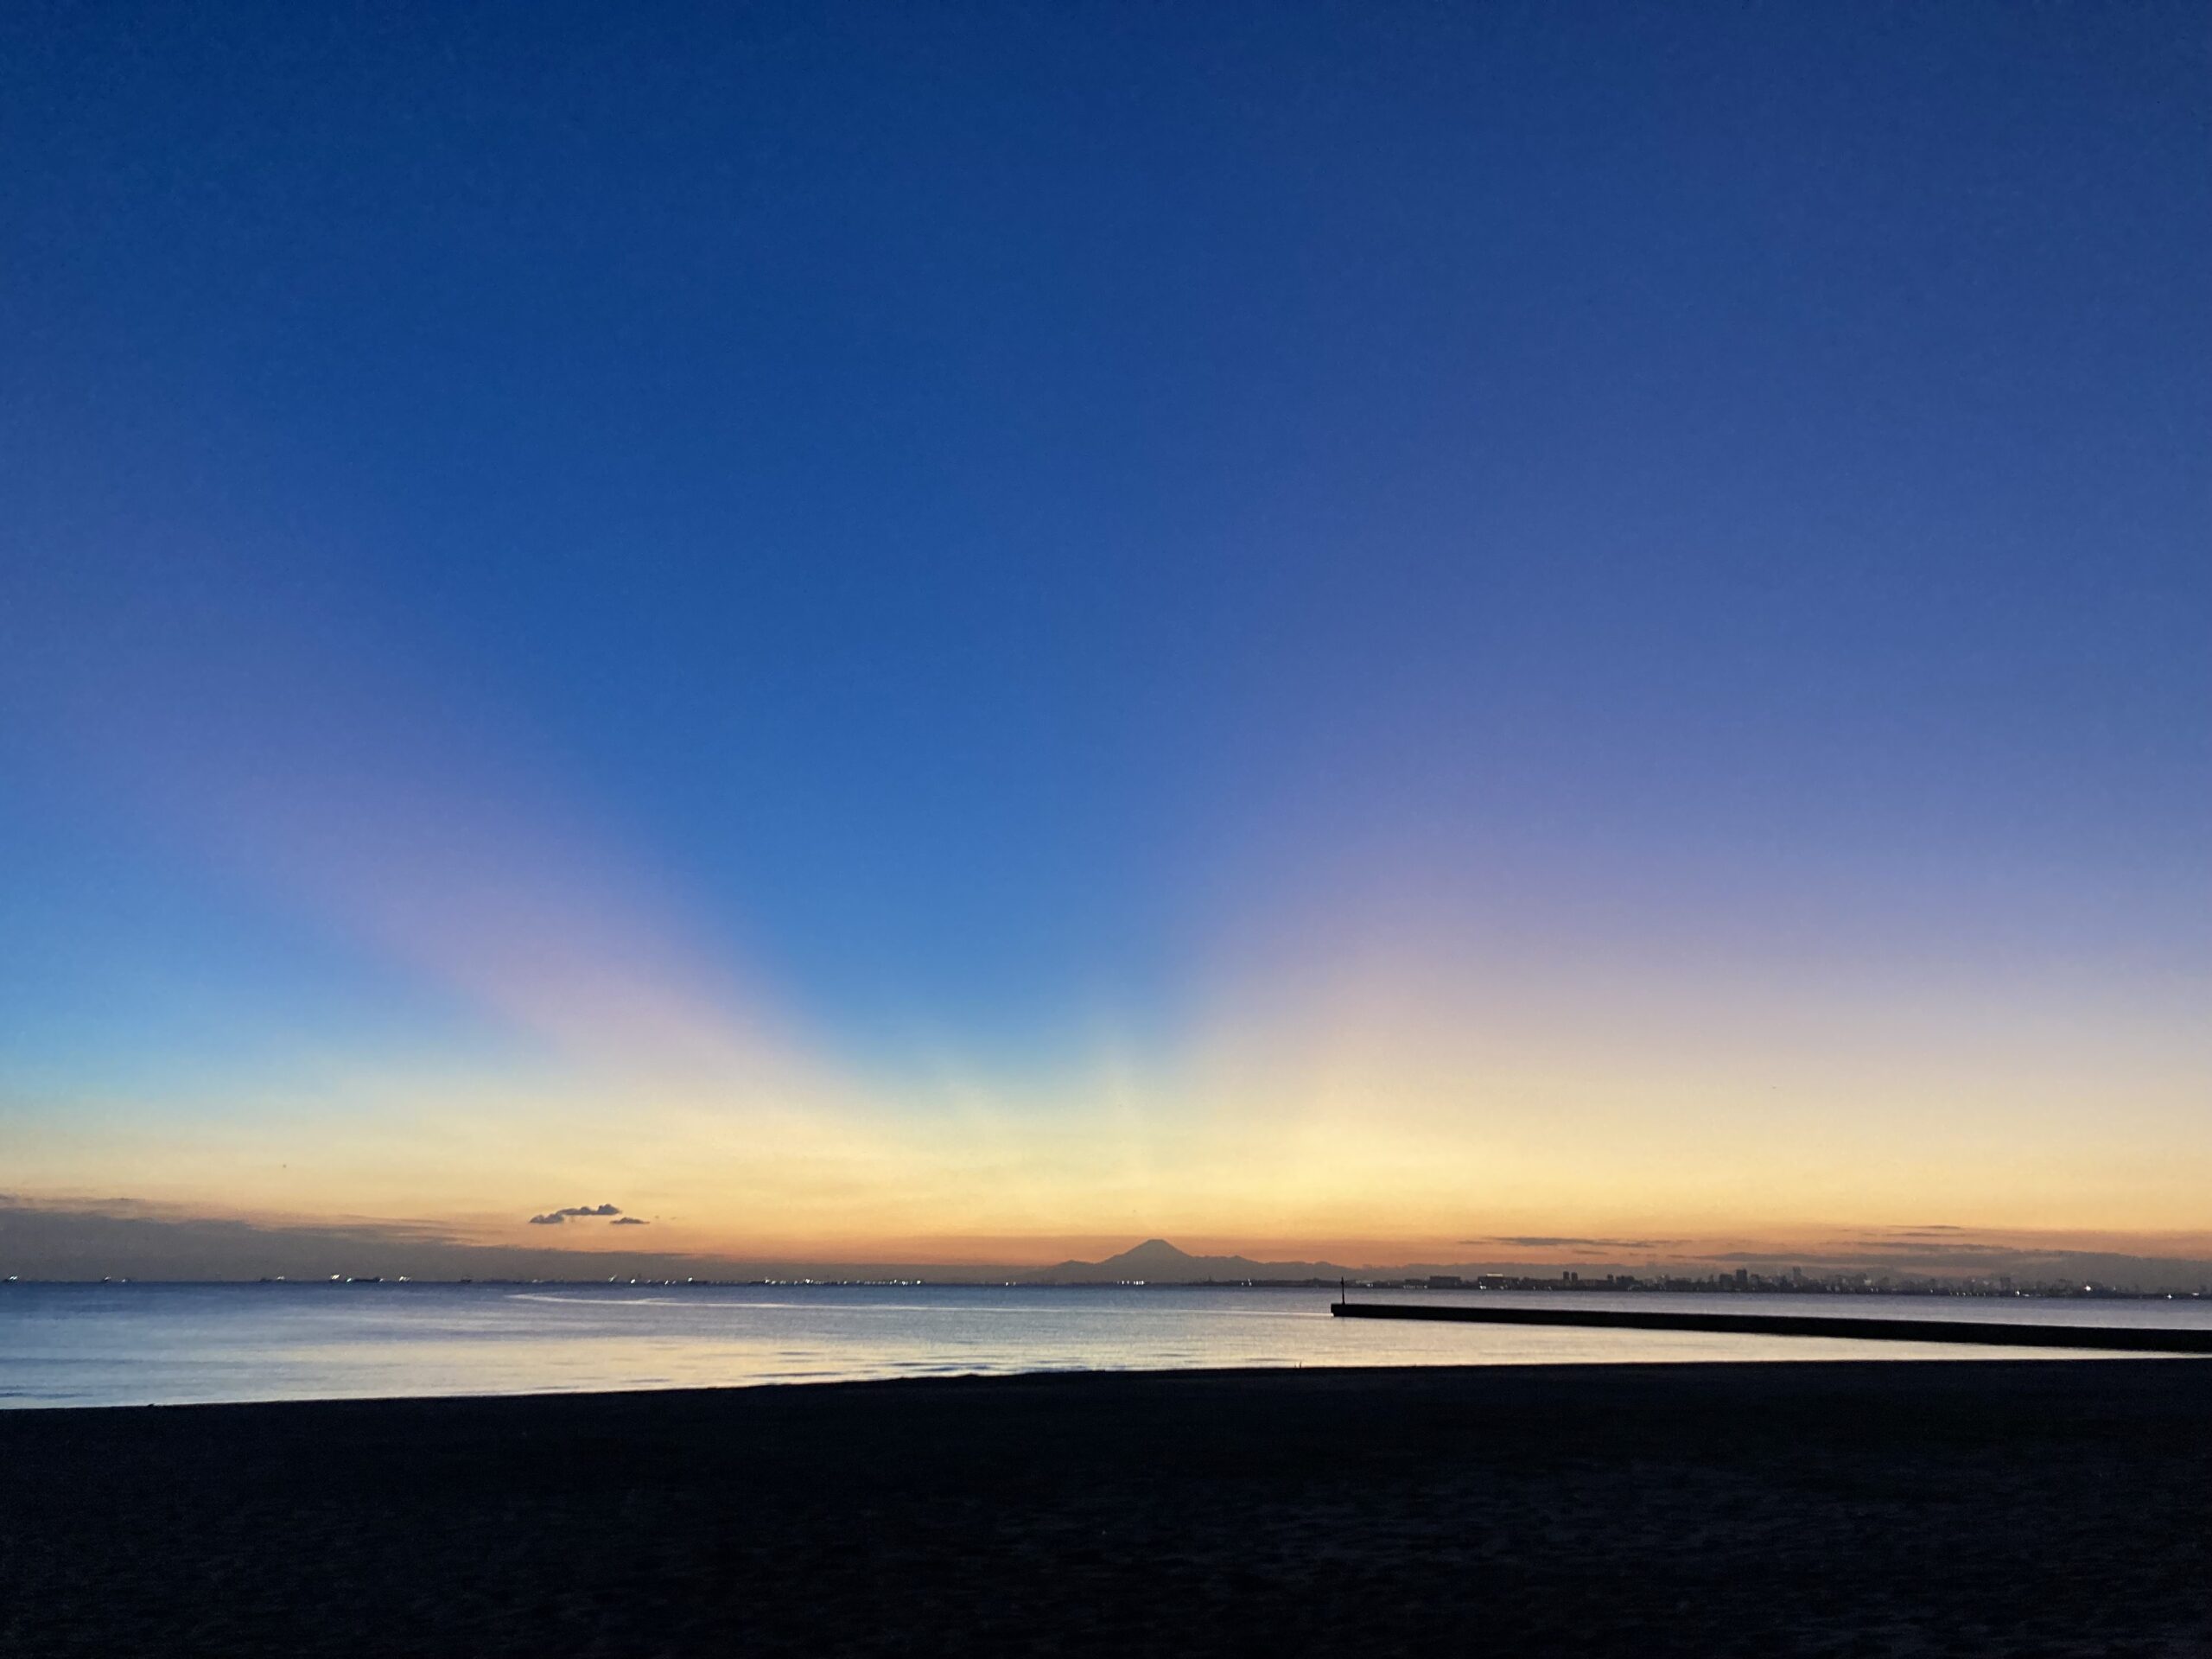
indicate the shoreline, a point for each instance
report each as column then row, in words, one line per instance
column 2056, row 1356
column 1982, row 1506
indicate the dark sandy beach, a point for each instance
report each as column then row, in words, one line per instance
column 1964, row 1508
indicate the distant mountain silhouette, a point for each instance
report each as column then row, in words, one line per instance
column 1158, row 1262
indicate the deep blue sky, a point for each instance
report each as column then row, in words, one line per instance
column 977, row 505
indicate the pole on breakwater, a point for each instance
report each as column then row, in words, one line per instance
column 1979, row 1334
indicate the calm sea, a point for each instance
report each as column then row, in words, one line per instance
column 169, row 1344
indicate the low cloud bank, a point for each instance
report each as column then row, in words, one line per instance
column 125, row 1239
column 79, row 1239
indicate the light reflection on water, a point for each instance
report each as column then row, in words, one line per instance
column 144, row 1344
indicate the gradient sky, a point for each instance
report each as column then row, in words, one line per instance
column 968, row 631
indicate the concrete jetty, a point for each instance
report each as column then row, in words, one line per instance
column 2011, row 1334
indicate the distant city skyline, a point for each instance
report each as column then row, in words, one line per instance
column 81, row 1243
column 971, row 635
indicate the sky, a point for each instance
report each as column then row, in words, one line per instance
column 978, row 632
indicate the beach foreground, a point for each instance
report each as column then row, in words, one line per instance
column 1963, row 1507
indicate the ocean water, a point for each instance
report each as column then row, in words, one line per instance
column 170, row 1345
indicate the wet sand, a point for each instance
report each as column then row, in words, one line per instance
column 1953, row 1508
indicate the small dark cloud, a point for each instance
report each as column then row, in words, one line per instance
column 554, row 1217
column 627, row 1221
